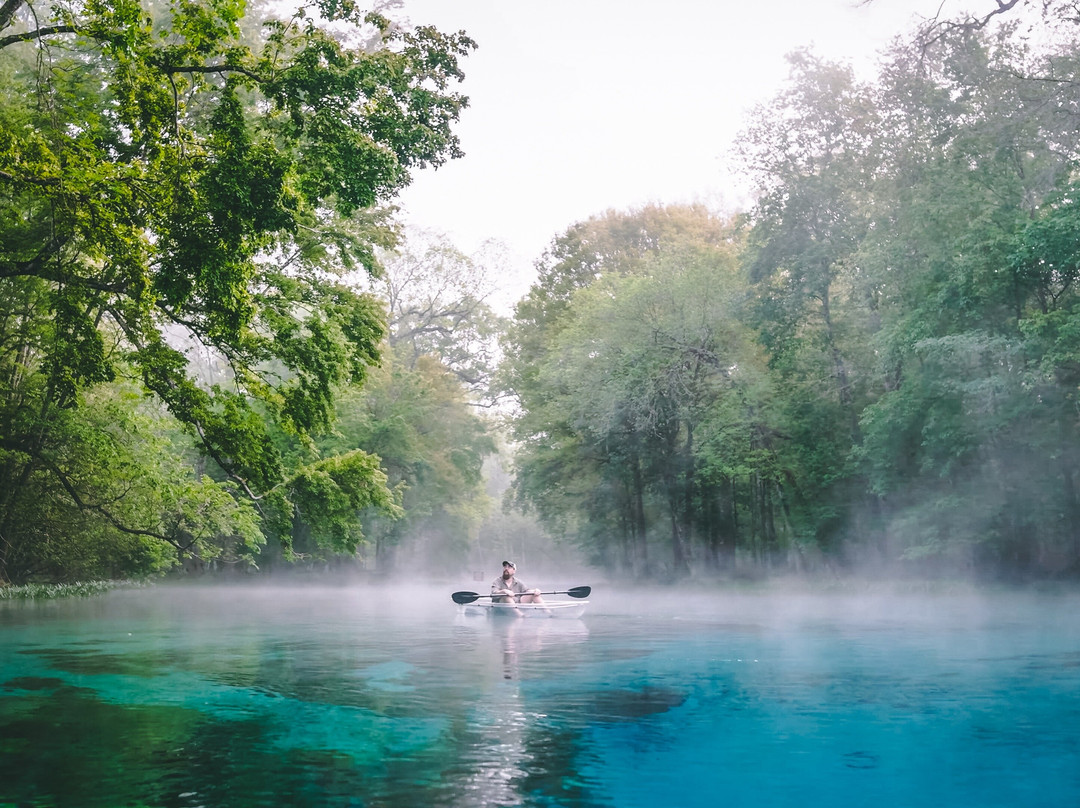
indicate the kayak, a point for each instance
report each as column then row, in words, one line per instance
column 558, row 608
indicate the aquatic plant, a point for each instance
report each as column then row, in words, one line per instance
column 81, row 589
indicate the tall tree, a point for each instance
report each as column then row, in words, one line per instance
column 163, row 178
column 618, row 411
column 418, row 413
column 814, row 152
column 413, row 415
column 438, row 305
column 953, row 443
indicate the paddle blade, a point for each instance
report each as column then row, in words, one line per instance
column 579, row 591
column 464, row 597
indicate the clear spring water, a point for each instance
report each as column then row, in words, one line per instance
column 346, row 697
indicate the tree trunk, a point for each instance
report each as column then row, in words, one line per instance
column 680, row 556
column 839, row 367
column 639, row 517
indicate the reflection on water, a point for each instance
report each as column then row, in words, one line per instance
column 336, row 697
column 503, row 751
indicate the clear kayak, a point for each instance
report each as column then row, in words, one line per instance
column 558, row 609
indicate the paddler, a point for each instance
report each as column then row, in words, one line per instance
column 511, row 589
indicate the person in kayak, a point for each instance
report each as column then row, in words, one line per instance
column 511, row 589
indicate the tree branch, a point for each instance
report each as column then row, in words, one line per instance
column 37, row 33
column 162, row 65
column 936, row 29
column 39, row 267
column 32, row 180
column 7, row 12
column 99, row 509
column 194, row 423
column 170, row 69
column 1002, row 7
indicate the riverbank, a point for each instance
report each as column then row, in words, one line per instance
column 82, row 589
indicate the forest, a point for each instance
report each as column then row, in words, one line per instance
column 221, row 353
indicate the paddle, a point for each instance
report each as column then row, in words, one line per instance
column 469, row 597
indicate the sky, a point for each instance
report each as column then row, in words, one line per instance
column 581, row 106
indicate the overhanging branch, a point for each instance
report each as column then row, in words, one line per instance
column 37, row 33
column 98, row 509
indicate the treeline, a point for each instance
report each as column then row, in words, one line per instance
column 192, row 204
column 877, row 365
column 218, row 351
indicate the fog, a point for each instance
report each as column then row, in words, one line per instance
column 779, row 604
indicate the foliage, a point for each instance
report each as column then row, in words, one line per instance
column 111, row 494
column 168, row 182
column 414, row 420
column 879, row 363
column 951, row 266
column 413, row 416
column 82, row 589
column 910, row 274
column 626, row 422
column 437, row 305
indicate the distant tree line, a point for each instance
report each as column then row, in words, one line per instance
column 879, row 364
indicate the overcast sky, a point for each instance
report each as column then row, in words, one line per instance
column 578, row 106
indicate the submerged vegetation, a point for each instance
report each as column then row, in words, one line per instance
column 218, row 353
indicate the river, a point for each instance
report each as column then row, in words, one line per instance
column 334, row 696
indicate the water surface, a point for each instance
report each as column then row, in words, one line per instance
column 345, row 696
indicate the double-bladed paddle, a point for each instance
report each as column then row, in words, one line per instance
column 469, row 597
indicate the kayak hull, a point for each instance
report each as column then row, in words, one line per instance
column 561, row 609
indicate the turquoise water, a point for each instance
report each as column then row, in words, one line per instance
column 346, row 697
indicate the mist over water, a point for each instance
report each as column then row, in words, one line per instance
column 357, row 695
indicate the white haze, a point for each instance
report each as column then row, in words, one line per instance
column 616, row 606
column 580, row 106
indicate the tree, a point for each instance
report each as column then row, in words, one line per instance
column 115, row 462
column 417, row 413
column 622, row 412
column 163, row 179
column 414, row 417
column 437, row 303
column 967, row 255
column 814, row 152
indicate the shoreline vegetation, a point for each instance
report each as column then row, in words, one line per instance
column 79, row 589
column 794, row 586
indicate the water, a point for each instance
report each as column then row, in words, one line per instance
column 336, row 697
